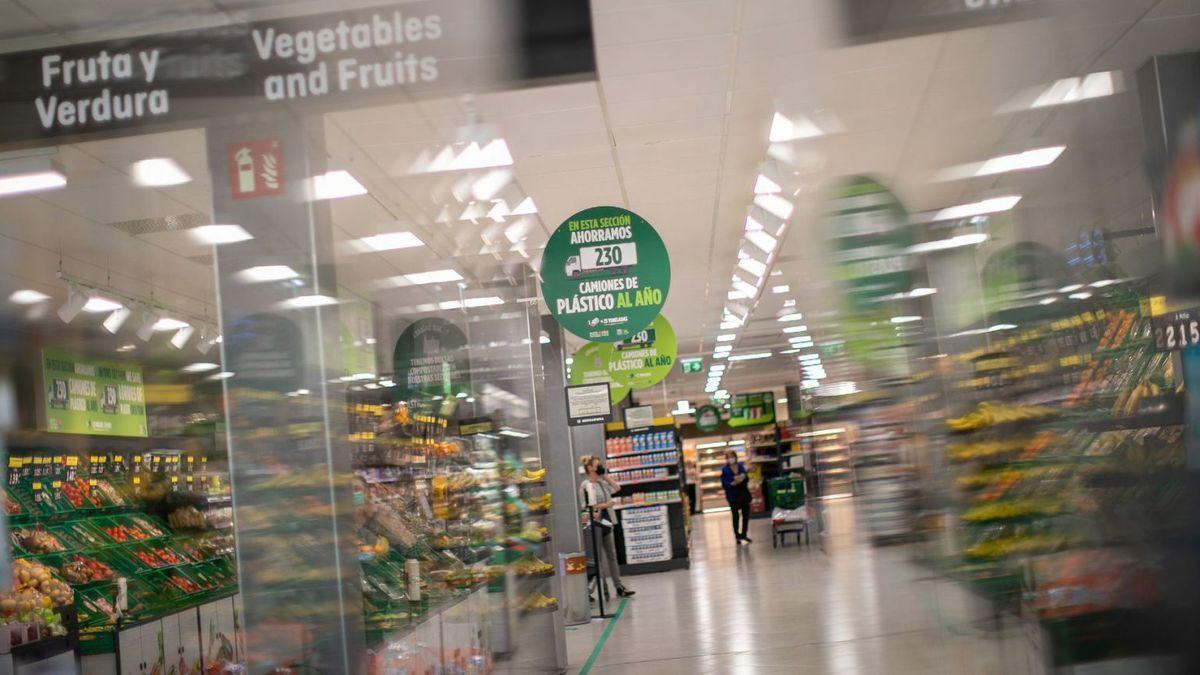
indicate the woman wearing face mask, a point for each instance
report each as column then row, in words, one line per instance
column 596, row 491
column 737, row 493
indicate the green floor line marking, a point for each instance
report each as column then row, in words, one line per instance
column 603, row 638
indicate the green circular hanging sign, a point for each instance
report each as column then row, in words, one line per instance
column 431, row 358
column 589, row 365
column 646, row 357
column 872, row 233
column 708, row 418
column 605, row 274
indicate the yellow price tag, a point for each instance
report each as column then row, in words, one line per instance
column 1158, row 305
column 174, row 479
column 37, row 485
column 191, row 459
column 137, row 458
column 93, row 482
column 56, row 484
column 72, row 461
column 14, row 462
column 58, row 459
column 119, row 458
column 189, row 478
column 137, row 480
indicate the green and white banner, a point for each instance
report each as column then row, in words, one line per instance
column 91, row 396
column 605, row 274
column 431, row 358
column 747, row 410
column 589, row 365
column 645, row 358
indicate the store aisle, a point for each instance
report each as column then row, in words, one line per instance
column 755, row 609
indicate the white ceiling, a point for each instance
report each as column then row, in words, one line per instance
column 674, row 129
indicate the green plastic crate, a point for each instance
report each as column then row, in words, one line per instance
column 786, row 492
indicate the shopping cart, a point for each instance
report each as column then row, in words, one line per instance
column 790, row 514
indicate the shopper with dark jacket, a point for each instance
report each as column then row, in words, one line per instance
column 737, row 492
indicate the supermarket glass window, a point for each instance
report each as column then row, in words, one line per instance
column 271, row 366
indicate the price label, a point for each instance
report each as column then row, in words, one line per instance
column 72, row 461
column 37, row 485
column 137, row 480
column 191, row 459
column 1177, row 330
column 174, row 479
column 56, row 484
column 93, row 482
column 15, row 462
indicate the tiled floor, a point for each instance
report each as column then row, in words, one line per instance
column 852, row 608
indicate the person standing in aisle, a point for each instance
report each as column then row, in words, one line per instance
column 737, row 492
column 596, row 491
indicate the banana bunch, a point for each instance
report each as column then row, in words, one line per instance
column 963, row 452
column 531, row 565
column 990, row 414
column 534, row 532
column 1016, row 545
column 1128, row 402
column 528, row 476
column 538, row 601
column 539, row 503
column 1008, row 510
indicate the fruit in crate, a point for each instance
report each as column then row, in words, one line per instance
column 538, row 601
column 528, row 476
column 79, row 493
column 36, row 540
column 11, row 507
column 168, row 556
column 187, row 518
column 534, row 532
column 123, row 533
column 32, row 579
column 531, row 566
column 81, row 570
column 539, row 503
column 990, row 414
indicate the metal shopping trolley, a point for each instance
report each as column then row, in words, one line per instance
column 790, row 515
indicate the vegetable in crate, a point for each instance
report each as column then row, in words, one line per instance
column 187, row 518
column 36, row 540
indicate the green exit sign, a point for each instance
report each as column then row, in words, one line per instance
column 691, row 365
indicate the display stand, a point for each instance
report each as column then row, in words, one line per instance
column 648, row 464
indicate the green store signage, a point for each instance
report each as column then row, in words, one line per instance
column 708, row 418
column 746, row 410
column 431, row 358
column 90, row 396
column 646, row 357
column 589, row 365
column 605, row 274
column 871, row 234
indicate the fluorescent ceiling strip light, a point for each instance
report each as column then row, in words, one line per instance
column 796, row 329
column 433, row 277
column 158, row 172
column 753, row 266
column 784, row 129
column 793, row 316
column 958, row 241
column 776, row 206
column 779, row 290
column 27, row 296
column 982, row 207
column 765, row 242
column 765, row 186
column 751, row 357
column 25, row 183
column 905, row 319
column 304, row 301
column 390, row 241
column 1074, row 89
column 336, row 185
column 97, row 304
column 707, row 446
column 1021, row 161
column 219, row 234
column 262, row 273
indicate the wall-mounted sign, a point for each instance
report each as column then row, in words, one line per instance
column 689, row 366
column 708, row 418
column 646, row 357
column 605, row 274
column 91, row 396
column 475, row 425
column 590, row 366
column 344, row 59
column 746, row 410
column 641, row 417
column 431, row 358
column 255, row 169
column 588, row 404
